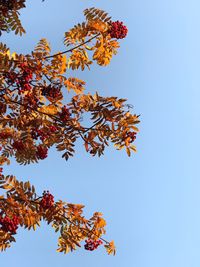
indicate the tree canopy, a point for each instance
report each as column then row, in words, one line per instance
column 41, row 106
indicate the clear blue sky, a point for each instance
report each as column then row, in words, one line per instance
column 151, row 200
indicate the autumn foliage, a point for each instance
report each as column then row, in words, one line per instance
column 42, row 106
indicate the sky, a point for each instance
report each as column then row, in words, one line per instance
column 151, row 200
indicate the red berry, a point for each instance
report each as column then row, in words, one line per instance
column 132, row 136
column 51, row 91
column 64, row 114
column 26, row 87
column 8, row 224
column 118, row 30
column 53, row 128
column 47, row 200
column 91, row 244
column 4, row 135
column 18, row 145
column 42, row 152
column 30, row 100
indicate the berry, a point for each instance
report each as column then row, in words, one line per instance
column 64, row 114
column 11, row 77
column 47, row 200
column 52, row 92
column 30, row 101
column 3, row 108
column 92, row 245
column 34, row 134
column 53, row 128
column 18, row 145
column 6, row 5
column 43, row 133
column 118, row 30
column 42, row 152
column 24, row 78
column 4, row 135
column 8, row 224
column 26, row 87
column 132, row 136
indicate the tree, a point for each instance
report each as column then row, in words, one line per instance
column 36, row 114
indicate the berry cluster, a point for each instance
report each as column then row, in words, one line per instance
column 91, row 244
column 4, row 135
column 22, row 79
column 11, row 77
column 18, row 145
column 3, row 107
column 64, row 114
column 47, row 200
column 8, row 224
column 43, row 133
column 118, row 30
column 51, row 91
column 53, row 128
column 30, row 101
column 132, row 136
column 42, row 152
column 7, row 5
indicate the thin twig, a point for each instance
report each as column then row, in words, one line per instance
column 71, row 49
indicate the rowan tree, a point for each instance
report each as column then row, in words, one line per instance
column 42, row 106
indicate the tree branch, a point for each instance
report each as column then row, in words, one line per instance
column 70, row 50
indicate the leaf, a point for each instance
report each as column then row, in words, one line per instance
column 100, row 223
column 97, row 25
column 110, row 248
column 42, row 49
column 128, row 151
column 50, row 109
column 94, row 13
column 133, row 148
column 14, row 23
column 4, row 160
column 76, row 34
column 86, row 146
column 75, row 84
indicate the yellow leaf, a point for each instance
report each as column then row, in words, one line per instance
column 110, row 248
column 13, row 56
column 4, row 160
column 133, row 148
column 59, row 250
column 64, row 64
column 75, row 84
column 128, row 151
column 100, row 223
column 98, row 25
column 50, row 109
column 135, row 128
